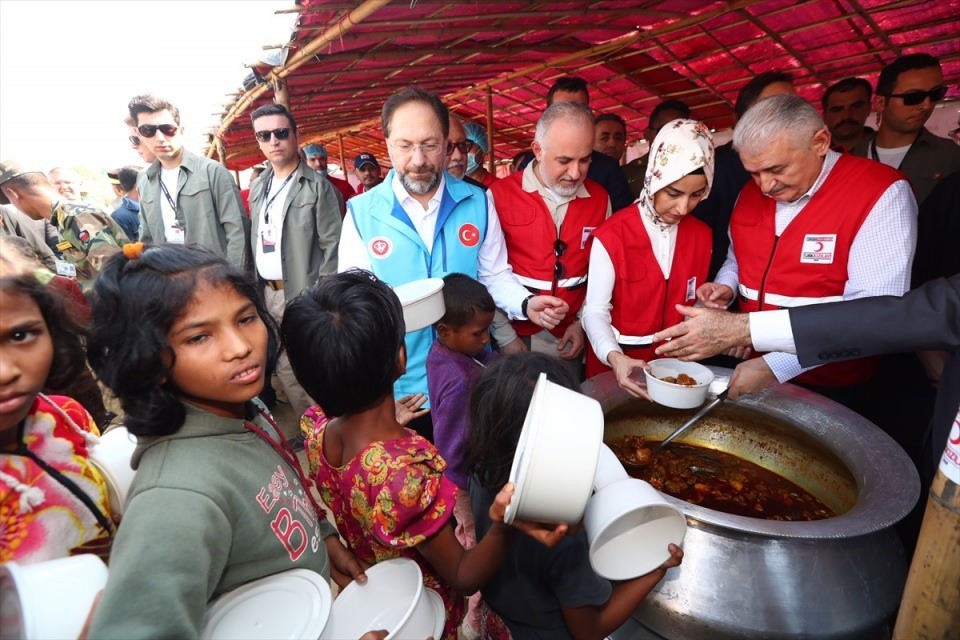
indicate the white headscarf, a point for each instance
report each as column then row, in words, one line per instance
column 680, row 148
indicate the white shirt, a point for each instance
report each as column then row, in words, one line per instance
column 596, row 308
column 893, row 156
column 493, row 270
column 172, row 231
column 880, row 257
column 270, row 231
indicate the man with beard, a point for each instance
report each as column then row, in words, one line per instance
column 549, row 212
column 421, row 222
column 846, row 105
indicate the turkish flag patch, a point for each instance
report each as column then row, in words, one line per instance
column 469, row 235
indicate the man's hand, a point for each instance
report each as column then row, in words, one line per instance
column 514, row 346
column 408, row 408
column 344, row 566
column 749, row 377
column 704, row 333
column 623, row 367
column 546, row 311
column 715, row 296
column 574, row 337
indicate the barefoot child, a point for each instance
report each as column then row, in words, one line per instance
column 539, row 592
column 384, row 484
column 183, row 339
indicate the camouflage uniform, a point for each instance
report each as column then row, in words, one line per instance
column 88, row 236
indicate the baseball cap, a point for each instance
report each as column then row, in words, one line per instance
column 476, row 134
column 314, row 149
column 365, row 159
column 124, row 177
column 10, row 169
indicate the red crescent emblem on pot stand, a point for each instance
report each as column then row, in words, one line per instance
column 469, row 235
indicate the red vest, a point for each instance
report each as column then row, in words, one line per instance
column 531, row 236
column 643, row 302
column 808, row 263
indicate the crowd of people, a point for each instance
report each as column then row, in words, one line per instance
column 190, row 308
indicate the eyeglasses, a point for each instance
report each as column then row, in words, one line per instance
column 559, row 270
column 134, row 140
column 427, row 148
column 264, row 136
column 913, row 98
column 462, row 147
column 150, row 130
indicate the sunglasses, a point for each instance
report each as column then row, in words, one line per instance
column 913, row 98
column 462, row 147
column 559, row 270
column 150, row 130
column 134, row 140
column 264, row 136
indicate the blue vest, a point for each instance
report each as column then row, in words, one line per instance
column 398, row 255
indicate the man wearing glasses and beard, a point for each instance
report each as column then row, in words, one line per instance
column 184, row 197
column 421, row 222
column 908, row 89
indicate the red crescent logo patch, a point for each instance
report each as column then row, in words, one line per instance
column 469, row 235
column 380, row 247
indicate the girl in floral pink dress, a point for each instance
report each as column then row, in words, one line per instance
column 52, row 500
column 383, row 482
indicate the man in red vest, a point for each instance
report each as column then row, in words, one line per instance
column 548, row 213
column 812, row 226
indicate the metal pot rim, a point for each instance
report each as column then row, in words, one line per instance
column 877, row 463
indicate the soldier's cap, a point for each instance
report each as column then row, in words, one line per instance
column 124, row 177
column 314, row 149
column 364, row 159
column 10, row 169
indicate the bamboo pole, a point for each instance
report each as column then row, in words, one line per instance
column 332, row 34
column 930, row 609
column 491, row 162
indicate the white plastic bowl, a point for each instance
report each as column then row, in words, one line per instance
column 393, row 598
column 556, row 459
column 111, row 456
column 50, row 599
column 629, row 525
column 422, row 302
column 677, row 396
column 289, row 605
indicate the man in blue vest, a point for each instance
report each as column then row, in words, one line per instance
column 421, row 222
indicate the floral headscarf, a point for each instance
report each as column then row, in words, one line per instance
column 681, row 147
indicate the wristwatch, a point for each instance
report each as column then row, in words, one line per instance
column 523, row 306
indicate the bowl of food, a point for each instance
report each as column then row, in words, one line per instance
column 677, row 384
column 555, row 463
column 49, row 599
column 393, row 598
column 291, row 604
column 422, row 302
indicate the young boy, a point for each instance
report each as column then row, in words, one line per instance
column 455, row 361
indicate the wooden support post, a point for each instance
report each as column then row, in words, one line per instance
column 343, row 157
column 491, row 160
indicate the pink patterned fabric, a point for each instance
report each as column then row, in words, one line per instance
column 388, row 499
column 40, row 519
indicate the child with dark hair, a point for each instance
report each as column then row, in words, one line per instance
column 454, row 362
column 538, row 592
column 383, row 482
column 183, row 339
column 53, row 501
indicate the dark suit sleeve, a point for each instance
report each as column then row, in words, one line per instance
column 924, row 318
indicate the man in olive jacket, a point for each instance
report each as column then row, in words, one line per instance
column 295, row 218
column 184, row 197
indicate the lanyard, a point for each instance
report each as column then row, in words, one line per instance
column 173, row 205
column 875, row 156
column 266, row 194
column 285, row 452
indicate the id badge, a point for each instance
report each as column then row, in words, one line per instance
column 691, row 288
column 584, row 236
column 67, row 269
column 267, row 241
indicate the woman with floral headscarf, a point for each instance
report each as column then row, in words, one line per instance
column 650, row 256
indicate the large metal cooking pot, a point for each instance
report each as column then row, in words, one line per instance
column 741, row 577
